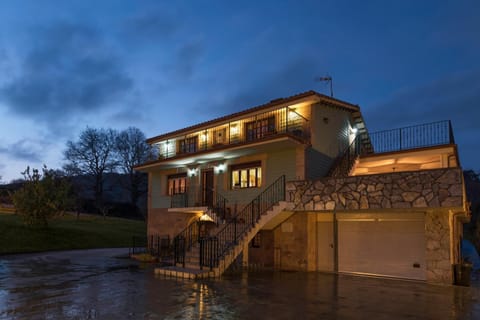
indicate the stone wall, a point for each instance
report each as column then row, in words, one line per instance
column 402, row 190
column 162, row 222
column 437, row 254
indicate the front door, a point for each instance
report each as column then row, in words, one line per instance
column 207, row 187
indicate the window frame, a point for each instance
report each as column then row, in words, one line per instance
column 248, row 171
column 177, row 178
column 260, row 128
column 188, row 145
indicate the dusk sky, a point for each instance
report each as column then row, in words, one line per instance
column 165, row 65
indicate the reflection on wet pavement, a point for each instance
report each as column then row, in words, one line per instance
column 97, row 284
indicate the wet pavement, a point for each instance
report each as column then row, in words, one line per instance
column 103, row 284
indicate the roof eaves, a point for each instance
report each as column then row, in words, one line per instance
column 270, row 104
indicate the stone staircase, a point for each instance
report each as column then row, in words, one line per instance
column 192, row 269
column 210, row 256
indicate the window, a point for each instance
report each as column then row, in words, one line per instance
column 188, row 145
column 177, row 184
column 260, row 128
column 248, row 175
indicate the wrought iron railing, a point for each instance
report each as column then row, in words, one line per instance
column 196, row 197
column 185, row 240
column 216, row 247
column 419, row 136
column 155, row 245
column 218, row 206
column 251, row 128
column 345, row 162
column 408, row 138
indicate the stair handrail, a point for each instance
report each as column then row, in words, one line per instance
column 246, row 219
column 184, row 240
column 344, row 163
column 219, row 207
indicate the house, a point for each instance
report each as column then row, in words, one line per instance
column 300, row 184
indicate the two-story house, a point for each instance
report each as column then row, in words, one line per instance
column 299, row 184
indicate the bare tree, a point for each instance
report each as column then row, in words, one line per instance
column 93, row 154
column 133, row 150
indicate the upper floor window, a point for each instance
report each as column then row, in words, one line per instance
column 260, row 128
column 188, row 145
column 177, row 183
column 247, row 175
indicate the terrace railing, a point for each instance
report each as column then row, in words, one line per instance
column 245, row 130
column 413, row 137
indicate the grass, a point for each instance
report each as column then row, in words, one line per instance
column 67, row 233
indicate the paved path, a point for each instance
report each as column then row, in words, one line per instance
column 101, row 284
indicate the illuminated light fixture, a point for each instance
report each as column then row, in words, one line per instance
column 206, row 217
column 204, row 137
column 220, row 168
column 192, row 172
column 292, row 113
column 234, row 129
column 353, row 130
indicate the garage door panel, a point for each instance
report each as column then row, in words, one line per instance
column 382, row 247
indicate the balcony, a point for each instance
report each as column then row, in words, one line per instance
column 401, row 149
column 413, row 137
column 285, row 121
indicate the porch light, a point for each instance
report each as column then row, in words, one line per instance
column 192, row 172
column 220, row 168
column 234, row 129
column 204, row 137
column 206, row 217
column 292, row 114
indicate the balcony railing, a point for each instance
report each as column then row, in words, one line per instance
column 419, row 136
column 249, row 129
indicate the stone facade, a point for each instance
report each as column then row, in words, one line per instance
column 437, row 193
column 437, row 236
column 402, row 190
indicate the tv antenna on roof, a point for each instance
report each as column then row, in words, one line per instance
column 327, row 78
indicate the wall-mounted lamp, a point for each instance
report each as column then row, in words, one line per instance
column 192, row 172
column 220, row 168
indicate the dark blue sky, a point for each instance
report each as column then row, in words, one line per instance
column 164, row 65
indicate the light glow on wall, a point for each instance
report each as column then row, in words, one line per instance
column 234, row 130
column 220, row 168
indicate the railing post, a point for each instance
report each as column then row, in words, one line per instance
column 235, row 230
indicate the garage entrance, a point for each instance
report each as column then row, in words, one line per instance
column 382, row 244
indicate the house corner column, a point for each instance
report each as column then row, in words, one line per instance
column 438, row 250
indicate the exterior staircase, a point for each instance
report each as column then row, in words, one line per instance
column 345, row 162
column 209, row 256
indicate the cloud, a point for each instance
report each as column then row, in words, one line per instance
column 187, row 59
column 68, row 69
column 151, row 26
column 24, row 149
column 269, row 84
column 453, row 98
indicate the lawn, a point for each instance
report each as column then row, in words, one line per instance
column 67, row 233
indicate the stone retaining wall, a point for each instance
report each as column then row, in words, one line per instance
column 402, row 190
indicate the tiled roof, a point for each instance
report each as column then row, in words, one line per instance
column 270, row 104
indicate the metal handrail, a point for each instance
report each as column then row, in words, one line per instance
column 344, row 163
column 413, row 137
column 242, row 222
column 185, row 240
column 236, row 132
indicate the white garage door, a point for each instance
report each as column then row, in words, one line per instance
column 382, row 246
